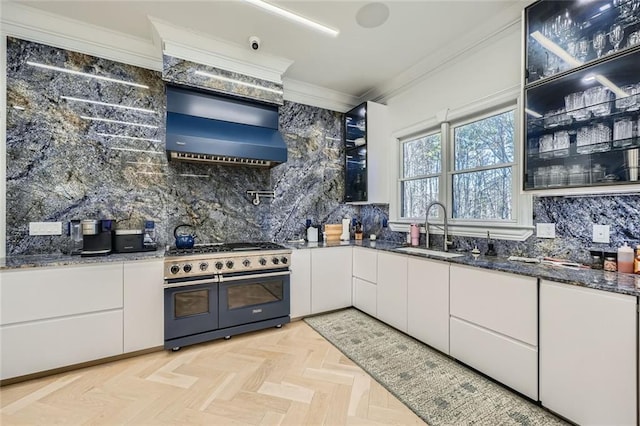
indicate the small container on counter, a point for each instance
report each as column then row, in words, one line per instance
column 625, row 259
column 415, row 234
column 596, row 259
column 636, row 261
column 610, row 262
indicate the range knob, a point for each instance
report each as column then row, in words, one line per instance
column 229, row 264
column 284, row 260
column 246, row 263
column 219, row 265
column 275, row 260
column 174, row 269
column 204, row 266
column 187, row 267
column 262, row 261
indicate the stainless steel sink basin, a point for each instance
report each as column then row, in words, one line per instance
column 435, row 253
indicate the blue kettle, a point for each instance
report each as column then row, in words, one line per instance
column 184, row 241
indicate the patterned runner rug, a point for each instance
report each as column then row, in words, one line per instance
column 438, row 389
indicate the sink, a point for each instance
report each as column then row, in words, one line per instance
column 418, row 250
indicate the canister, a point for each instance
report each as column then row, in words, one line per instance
column 610, row 262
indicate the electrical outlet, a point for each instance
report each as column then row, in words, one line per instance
column 601, row 234
column 546, row 230
column 45, row 228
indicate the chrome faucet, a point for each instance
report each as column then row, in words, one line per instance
column 447, row 243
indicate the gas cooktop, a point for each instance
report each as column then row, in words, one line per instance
column 223, row 248
column 225, row 258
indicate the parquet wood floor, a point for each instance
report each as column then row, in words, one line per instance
column 287, row 376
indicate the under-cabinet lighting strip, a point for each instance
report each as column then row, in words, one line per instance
column 136, row 150
column 88, row 101
column 293, row 17
column 134, row 138
column 84, row 74
column 108, row 120
column 533, row 113
column 192, row 175
column 233, row 80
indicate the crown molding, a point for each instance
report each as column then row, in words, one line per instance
column 54, row 30
column 309, row 94
column 182, row 43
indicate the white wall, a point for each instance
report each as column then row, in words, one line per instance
column 494, row 67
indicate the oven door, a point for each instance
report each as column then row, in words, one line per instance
column 255, row 297
column 190, row 307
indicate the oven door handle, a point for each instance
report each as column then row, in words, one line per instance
column 191, row 283
column 254, row 276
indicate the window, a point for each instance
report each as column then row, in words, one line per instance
column 421, row 166
column 470, row 165
column 482, row 177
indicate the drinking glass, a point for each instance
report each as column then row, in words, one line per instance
column 599, row 42
column 561, row 143
column 622, row 132
column 546, row 146
column 633, row 39
column 597, row 100
column 629, row 102
column 583, row 49
column 575, row 106
column 616, row 34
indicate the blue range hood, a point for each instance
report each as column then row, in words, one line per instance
column 203, row 127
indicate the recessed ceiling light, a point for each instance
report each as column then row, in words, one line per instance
column 372, row 15
column 293, row 17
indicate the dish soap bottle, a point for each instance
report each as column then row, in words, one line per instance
column 625, row 259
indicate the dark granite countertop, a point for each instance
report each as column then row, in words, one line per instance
column 597, row 279
column 52, row 260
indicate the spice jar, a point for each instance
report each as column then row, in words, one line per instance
column 610, row 262
column 596, row 259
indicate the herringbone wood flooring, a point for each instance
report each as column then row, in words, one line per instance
column 288, row 376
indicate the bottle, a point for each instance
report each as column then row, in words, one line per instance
column 636, row 261
column 610, row 263
column 415, row 234
column 625, row 259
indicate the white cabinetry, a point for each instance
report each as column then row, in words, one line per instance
column 428, row 302
column 331, row 278
column 493, row 326
column 588, row 366
column 392, row 290
column 300, row 283
column 53, row 317
column 365, row 275
column 143, row 305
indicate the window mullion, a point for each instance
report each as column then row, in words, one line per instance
column 446, row 187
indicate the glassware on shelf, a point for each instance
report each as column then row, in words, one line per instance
column 616, row 34
column 546, row 146
column 557, row 175
column 583, row 49
column 631, row 164
column 633, row 39
column 597, row 100
column 593, row 139
column 622, row 132
column 577, row 175
column 574, row 104
column 597, row 173
column 631, row 101
column 599, row 42
column 561, row 143
column 540, row 177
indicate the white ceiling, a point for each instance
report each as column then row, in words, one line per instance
column 418, row 33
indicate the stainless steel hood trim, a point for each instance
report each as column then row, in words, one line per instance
column 204, row 158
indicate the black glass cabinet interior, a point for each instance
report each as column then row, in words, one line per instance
column 355, row 137
column 581, row 94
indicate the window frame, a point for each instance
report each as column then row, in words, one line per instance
column 520, row 226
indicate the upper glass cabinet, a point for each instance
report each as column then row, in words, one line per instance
column 355, row 137
column 563, row 35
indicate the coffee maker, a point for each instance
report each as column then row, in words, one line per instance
column 96, row 237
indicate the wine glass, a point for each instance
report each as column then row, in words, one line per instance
column 599, row 41
column 616, row 34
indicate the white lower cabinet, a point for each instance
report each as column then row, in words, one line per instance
column 428, row 302
column 588, row 365
column 331, row 275
column 143, row 312
column 54, row 317
column 300, row 283
column 494, row 325
column 392, row 290
column 365, row 296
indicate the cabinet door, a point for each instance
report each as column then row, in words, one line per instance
column 588, row 354
column 428, row 302
column 300, row 283
column 392, row 290
column 41, row 293
column 143, row 305
column 501, row 302
column 331, row 274
column 365, row 296
column 365, row 262
column 379, row 142
column 43, row 345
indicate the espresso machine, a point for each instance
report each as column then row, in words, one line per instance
column 96, row 237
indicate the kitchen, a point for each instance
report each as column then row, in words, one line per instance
column 308, row 186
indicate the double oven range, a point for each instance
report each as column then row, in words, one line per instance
column 220, row 290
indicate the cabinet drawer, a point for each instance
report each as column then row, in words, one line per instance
column 364, row 296
column 43, row 345
column 512, row 363
column 53, row 292
column 505, row 303
column 365, row 263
